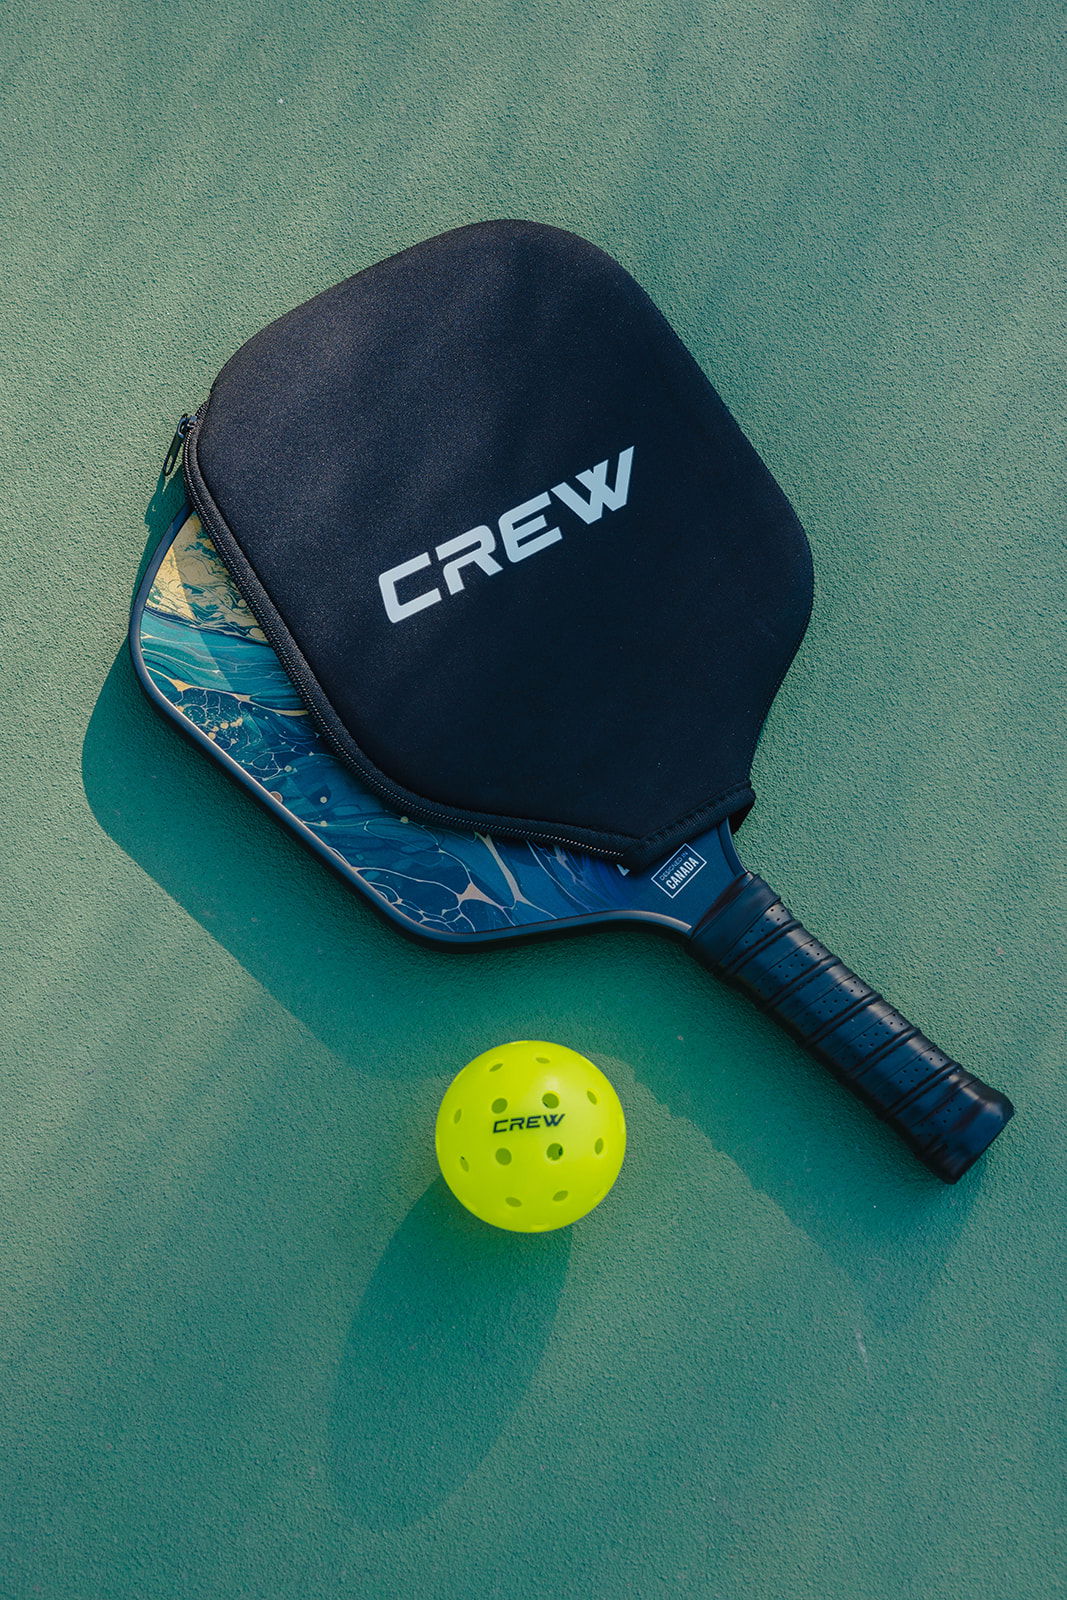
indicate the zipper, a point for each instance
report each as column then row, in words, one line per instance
column 405, row 804
column 170, row 460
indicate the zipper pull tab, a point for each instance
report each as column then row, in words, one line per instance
column 185, row 422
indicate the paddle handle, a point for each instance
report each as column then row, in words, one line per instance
column 946, row 1115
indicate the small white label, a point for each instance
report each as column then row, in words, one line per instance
column 674, row 874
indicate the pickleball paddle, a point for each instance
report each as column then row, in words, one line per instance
column 485, row 593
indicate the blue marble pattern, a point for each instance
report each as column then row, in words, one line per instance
column 208, row 659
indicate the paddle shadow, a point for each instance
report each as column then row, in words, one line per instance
column 447, row 1337
column 292, row 925
column 285, row 918
column 168, row 498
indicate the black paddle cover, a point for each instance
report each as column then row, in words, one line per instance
column 517, row 556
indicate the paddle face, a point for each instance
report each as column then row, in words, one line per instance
column 516, row 554
column 204, row 661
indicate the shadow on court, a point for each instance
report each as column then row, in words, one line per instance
column 448, row 1336
column 452, row 1308
column 294, row 927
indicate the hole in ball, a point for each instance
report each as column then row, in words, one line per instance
column 504, row 1157
column 458, row 1114
column 550, row 1099
column 554, row 1152
column 500, row 1105
column 591, row 1097
column 561, row 1194
column 464, row 1163
column 511, row 1201
column 599, row 1147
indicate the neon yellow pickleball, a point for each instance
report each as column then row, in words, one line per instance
column 530, row 1136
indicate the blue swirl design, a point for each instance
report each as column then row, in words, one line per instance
column 210, row 663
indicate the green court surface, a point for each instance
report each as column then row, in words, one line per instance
column 250, row 1346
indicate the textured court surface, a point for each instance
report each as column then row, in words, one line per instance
column 250, row 1347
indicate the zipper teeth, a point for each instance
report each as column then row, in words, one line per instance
column 296, row 674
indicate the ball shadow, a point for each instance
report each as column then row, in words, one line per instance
column 445, row 1342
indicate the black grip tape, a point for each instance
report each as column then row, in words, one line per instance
column 944, row 1113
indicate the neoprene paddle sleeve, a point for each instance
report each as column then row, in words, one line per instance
column 946, row 1115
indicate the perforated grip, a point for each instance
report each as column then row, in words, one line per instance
column 947, row 1116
